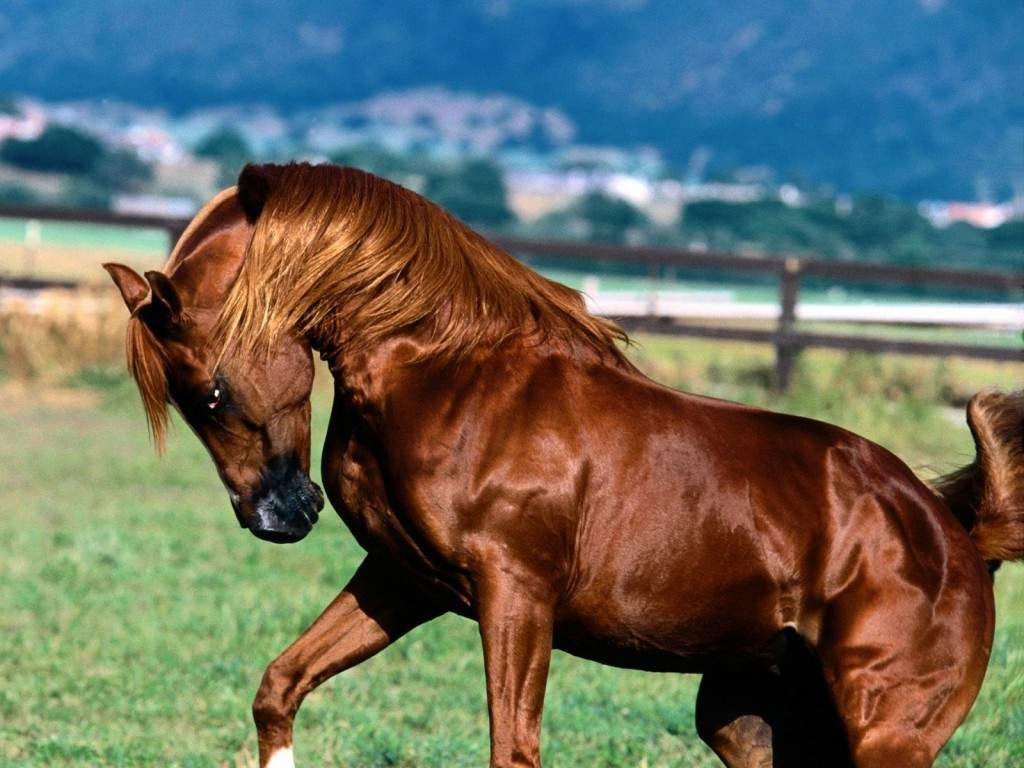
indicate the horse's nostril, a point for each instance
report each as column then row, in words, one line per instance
column 315, row 503
column 312, row 500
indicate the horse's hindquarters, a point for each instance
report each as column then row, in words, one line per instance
column 904, row 668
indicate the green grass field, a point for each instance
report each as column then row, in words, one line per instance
column 137, row 617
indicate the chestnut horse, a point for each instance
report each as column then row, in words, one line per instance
column 497, row 456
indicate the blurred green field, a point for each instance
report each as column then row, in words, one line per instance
column 13, row 232
column 72, row 251
column 137, row 617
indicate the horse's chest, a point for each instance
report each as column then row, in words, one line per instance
column 358, row 491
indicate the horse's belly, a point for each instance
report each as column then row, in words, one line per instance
column 680, row 625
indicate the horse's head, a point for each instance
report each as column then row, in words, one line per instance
column 251, row 412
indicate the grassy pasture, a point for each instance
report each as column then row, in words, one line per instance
column 137, row 618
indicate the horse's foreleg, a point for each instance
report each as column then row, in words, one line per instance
column 757, row 718
column 374, row 610
column 516, row 620
column 733, row 712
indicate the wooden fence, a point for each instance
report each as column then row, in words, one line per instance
column 788, row 271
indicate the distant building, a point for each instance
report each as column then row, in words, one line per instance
column 194, row 178
column 980, row 215
column 791, row 196
column 28, row 121
column 155, row 205
column 724, row 192
column 536, row 193
column 435, row 119
column 146, row 132
column 152, row 143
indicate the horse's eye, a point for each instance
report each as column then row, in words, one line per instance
column 213, row 400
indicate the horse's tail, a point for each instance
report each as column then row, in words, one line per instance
column 987, row 496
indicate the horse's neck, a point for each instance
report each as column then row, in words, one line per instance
column 368, row 379
column 388, row 387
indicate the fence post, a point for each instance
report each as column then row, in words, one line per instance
column 653, row 278
column 786, row 351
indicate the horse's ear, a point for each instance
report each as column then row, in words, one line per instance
column 153, row 298
column 164, row 310
column 134, row 289
column 254, row 185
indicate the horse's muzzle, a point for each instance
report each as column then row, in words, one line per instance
column 287, row 505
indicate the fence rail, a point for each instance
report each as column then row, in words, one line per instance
column 789, row 271
column 657, row 257
column 173, row 226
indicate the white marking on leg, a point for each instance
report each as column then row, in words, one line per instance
column 282, row 758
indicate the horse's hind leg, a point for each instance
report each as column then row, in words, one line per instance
column 904, row 668
column 756, row 717
column 374, row 610
column 901, row 704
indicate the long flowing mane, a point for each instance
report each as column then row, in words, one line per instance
column 339, row 248
column 147, row 361
column 148, row 367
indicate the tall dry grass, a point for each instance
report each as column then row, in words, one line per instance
column 54, row 335
column 57, row 335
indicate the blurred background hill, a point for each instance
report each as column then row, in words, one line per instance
column 912, row 98
column 889, row 131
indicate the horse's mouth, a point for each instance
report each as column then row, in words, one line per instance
column 281, row 535
column 285, row 515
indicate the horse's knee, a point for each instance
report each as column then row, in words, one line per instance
column 745, row 742
column 274, row 702
column 730, row 718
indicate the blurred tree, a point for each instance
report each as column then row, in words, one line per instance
column 84, row 192
column 712, row 214
column 875, row 228
column 121, row 170
column 1006, row 245
column 875, row 222
column 97, row 172
column 474, row 191
column 229, row 149
column 382, row 161
column 608, row 219
column 1010, row 236
column 769, row 223
column 57, row 149
column 17, row 194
